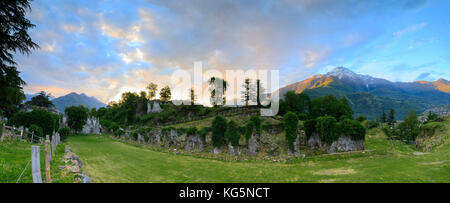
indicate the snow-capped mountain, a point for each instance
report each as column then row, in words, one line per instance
column 369, row 95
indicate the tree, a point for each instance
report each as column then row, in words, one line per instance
column 128, row 106
column 165, row 94
column 248, row 93
column 13, row 38
column 42, row 100
column 431, row 116
column 217, row 88
column 64, row 133
column 192, row 96
column 219, row 127
column 297, row 103
column 232, row 133
column 290, row 126
column 383, row 117
column 77, row 116
column 391, row 118
column 152, row 88
column 409, row 128
column 259, row 91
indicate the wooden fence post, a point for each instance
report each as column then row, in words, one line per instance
column 47, row 161
column 36, row 164
column 53, row 146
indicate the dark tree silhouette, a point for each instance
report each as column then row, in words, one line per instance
column 13, row 38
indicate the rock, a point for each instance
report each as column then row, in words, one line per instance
column 296, row 151
column 217, row 150
column 74, row 169
column 231, row 149
column 67, row 150
column 345, row 144
column 92, row 126
column 190, row 142
column 153, row 107
column 61, row 167
column 253, row 144
column 314, row 141
column 86, row 179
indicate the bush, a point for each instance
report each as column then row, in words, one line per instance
column 352, row 128
column 326, row 127
column 203, row 132
column 64, row 133
column 47, row 121
column 36, row 130
column 290, row 126
column 232, row 133
column 256, row 121
column 310, row 127
column 191, row 131
column 219, row 127
column 76, row 117
column 361, row 118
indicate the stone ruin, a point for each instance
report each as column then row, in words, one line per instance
column 155, row 138
column 92, row 126
column 194, row 141
column 153, row 106
column 343, row 144
column 253, row 144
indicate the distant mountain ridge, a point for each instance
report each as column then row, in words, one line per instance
column 369, row 95
column 74, row 99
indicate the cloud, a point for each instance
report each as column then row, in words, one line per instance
column 102, row 48
column 409, row 29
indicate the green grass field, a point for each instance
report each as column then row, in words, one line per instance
column 108, row 160
column 14, row 156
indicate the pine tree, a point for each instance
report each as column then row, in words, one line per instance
column 192, row 96
column 14, row 38
column 391, row 119
column 383, row 117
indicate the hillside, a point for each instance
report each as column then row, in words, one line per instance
column 74, row 99
column 369, row 96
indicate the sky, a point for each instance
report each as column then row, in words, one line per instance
column 106, row 47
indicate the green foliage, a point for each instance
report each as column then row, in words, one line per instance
column 76, row 117
column 49, row 122
column 42, row 100
column 256, row 121
column 232, row 133
column 203, row 132
column 64, row 133
column 310, row 127
column 191, row 131
column 352, row 128
column 14, row 39
column 331, row 106
column 391, row 119
column 429, row 129
column 165, row 94
column 361, row 118
column 327, row 129
column 219, row 127
column 298, row 103
column 36, row 130
column 383, row 117
column 409, row 128
column 248, row 130
column 290, row 126
column 431, row 116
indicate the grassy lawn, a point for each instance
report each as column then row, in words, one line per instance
column 14, row 156
column 107, row 160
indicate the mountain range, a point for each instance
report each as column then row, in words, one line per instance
column 72, row 99
column 369, row 96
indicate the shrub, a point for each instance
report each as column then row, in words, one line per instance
column 290, row 126
column 310, row 127
column 326, row 127
column 219, row 127
column 77, row 116
column 256, row 121
column 36, row 130
column 361, row 118
column 203, row 132
column 64, row 133
column 352, row 128
column 232, row 133
column 191, row 131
